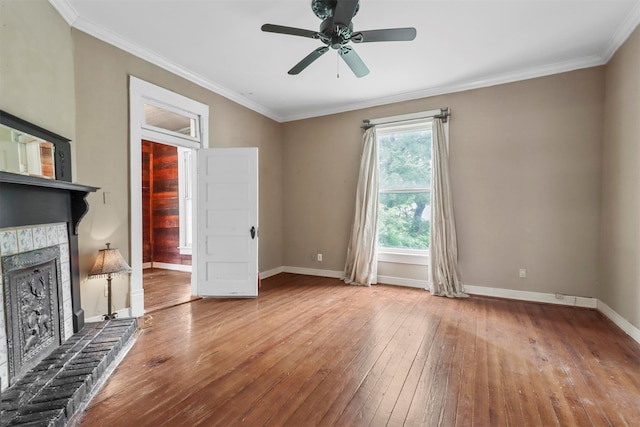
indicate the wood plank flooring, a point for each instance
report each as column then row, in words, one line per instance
column 312, row 351
column 165, row 288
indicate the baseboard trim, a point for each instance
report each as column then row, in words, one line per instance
column 547, row 298
column 532, row 296
column 584, row 302
column 268, row 273
column 620, row 321
column 175, row 267
column 122, row 313
column 314, row 272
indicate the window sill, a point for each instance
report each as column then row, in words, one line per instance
column 185, row 250
column 402, row 257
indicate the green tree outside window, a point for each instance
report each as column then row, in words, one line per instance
column 404, row 185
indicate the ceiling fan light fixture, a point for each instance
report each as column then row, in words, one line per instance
column 336, row 30
column 323, row 9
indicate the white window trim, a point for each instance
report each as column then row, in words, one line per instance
column 177, row 138
column 403, row 256
column 185, row 199
column 400, row 255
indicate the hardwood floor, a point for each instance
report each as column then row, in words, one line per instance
column 165, row 288
column 313, row 351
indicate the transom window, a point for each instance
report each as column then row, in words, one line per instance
column 404, row 158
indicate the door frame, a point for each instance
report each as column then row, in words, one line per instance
column 140, row 92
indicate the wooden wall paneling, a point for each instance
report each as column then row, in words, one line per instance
column 160, row 207
column 46, row 159
column 165, row 206
column 147, row 235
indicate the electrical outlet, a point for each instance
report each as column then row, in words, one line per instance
column 523, row 273
column 319, row 257
column 106, row 290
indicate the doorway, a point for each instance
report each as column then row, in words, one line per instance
column 185, row 125
column 166, row 226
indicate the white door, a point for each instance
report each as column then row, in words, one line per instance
column 227, row 222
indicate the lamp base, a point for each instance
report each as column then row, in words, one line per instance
column 110, row 316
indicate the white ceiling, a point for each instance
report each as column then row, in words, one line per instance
column 459, row 45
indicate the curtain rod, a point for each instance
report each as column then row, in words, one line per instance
column 442, row 113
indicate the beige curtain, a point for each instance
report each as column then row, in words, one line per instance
column 360, row 268
column 444, row 274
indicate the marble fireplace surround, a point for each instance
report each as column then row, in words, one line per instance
column 37, row 213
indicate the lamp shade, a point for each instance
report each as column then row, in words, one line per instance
column 109, row 262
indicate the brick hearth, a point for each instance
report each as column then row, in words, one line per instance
column 56, row 391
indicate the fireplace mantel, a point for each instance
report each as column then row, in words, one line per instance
column 27, row 200
column 13, row 178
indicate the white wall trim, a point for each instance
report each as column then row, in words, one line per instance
column 314, row 272
column 403, row 258
column 268, row 273
column 139, row 92
column 532, row 296
column 75, row 20
column 547, row 298
column 620, row 321
column 66, row 10
column 401, row 281
column 520, row 75
column 622, row 33
column 122, row 313
column 175, row 267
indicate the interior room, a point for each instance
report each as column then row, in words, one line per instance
column 166, row 260
column 542, row 147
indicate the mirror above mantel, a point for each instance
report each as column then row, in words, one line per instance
column 27, row 149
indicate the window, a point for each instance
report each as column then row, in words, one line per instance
column 177, row 123
column 404, row 157
column 185, row 202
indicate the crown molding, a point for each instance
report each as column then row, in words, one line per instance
column 72, row 17
column 68, row 12
column 526, row 74
column 623, row 32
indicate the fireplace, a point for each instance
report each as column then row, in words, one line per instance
column 40, row 210
column 37, row 296
column 39, row 269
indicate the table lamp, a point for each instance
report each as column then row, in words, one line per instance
column 108, row 264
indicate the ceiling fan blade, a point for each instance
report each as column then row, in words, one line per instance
column 353, row 61
column 388, row 35
column 344, row 12
column 280, row 29
column 307, row 60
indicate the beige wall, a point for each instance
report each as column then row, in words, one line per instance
column 103, row 127
column 525, row 161
column 620, row 230
column 36, row 66
column 47, row 69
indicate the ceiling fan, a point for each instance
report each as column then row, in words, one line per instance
column 336, row 30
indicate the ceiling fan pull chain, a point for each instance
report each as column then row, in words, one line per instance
column 337, row 66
